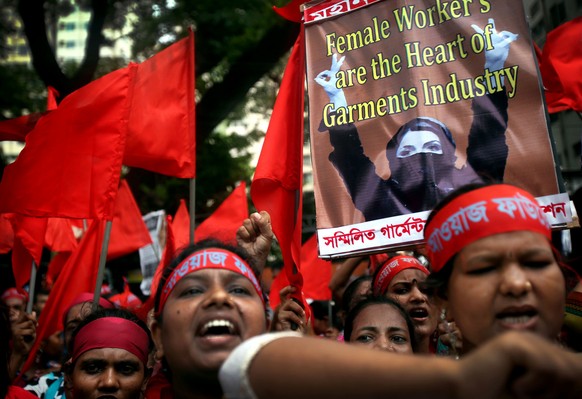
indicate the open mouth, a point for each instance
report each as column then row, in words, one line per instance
column 516, row 317
column 218, row 327
column 418, row 313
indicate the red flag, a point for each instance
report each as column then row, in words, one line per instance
column 16, row 129
column 6, row 235
column 227, row 218
column 277, row 184
column 59, row 235
column 71, row 163
column 29, row 236
column 51, row 98
column 128, row 230
column 316, row 272
column 126, row 299
column 181, row 226
column 55, row 267
column 79, row 275
column 161, row 124
column 561, row 67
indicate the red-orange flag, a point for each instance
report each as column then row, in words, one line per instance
column 561, row 67
column 316, row 272
column 6, row 235
column 78, row 275
column 128, row 230
column 161, row 134
column 29, row 236
column 227, row 218
column 16, row 129
column 277, row 184
column 181, row 226
column 71, row 164
column 59, row 235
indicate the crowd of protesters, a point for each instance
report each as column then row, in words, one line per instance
column 492, row 312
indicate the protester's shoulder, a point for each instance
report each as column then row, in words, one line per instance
column 40, row 387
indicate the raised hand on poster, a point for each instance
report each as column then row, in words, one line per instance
column 328, row 80
column 495, row 58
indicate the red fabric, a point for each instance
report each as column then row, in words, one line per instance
column 112, row 332
column 78, row 275
column 159, row 387
column 16, row 129
column 227, row 218
column 29, row 236
column 291, row 11
column 277, row 184
column 181, row 226
column 55, row 267
column 391, row 268
column 480, row 213
column 59, row 235
column 14, row 293
column 126, row 299
column 19, row 393
column 561, row 67
column 161, row 135
column 51, row 98
column 71, row 163
column 128, row 230
column 6, row 235
column 316, row 272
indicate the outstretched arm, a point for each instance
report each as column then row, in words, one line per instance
column 487, row 151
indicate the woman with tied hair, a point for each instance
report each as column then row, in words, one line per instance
column 109, row 356
column 494, row 265
column 209, row 300
column 401, row 278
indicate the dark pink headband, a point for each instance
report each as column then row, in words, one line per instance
column 112, row 332
column 209, row 258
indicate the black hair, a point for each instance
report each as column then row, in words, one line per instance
column 113, row 312
column 5, row 336
column 351, row 290
column 372, row 300
column 189, row 250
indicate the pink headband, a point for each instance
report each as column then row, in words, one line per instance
column 14, row 293
column 209, row 258
column 478, row 214
column 391, row 268
column 112, row 332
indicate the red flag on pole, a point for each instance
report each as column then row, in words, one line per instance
column 181, row 226
column 227, row 218
column 128, row 230
column 29, row 236
column 316, row 272
column 71, row 163
column 78, row 275
column 59, row 235
column 277, row 184
column 161, row 134
column 561, row 67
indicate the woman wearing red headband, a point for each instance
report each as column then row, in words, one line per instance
column 109, row 356
column 494, row 265
column 209, row 300
column 401, row 278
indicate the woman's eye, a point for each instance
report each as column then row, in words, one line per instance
column 127, row 369
column 399, row 339
column 191, row 291
column 401, row 291
column 481, row 269
column 239, row 291
column 92, row 368
column 365, row 338
column 538, row 263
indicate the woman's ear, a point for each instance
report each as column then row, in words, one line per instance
column 156, row 329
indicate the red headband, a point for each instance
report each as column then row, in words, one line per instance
column 14, row 293
column 478, row 214
column 112, row 332
column 209, row 258
column 391, row 268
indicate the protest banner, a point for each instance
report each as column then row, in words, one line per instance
column 409, row 100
